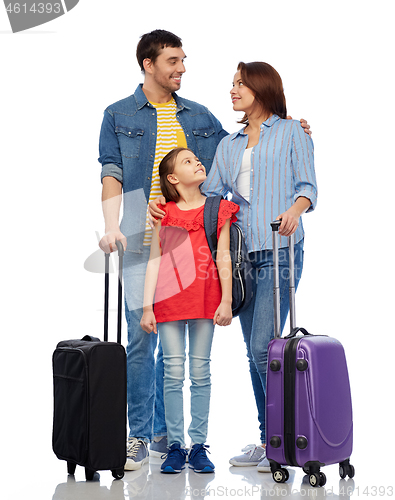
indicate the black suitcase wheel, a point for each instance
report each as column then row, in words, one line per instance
column 118, row 473
column 89, row 474
column 322, row 479
column 315, row 479
column 71, row 468
column 280, row 475
column 346, row 469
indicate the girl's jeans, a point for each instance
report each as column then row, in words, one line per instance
column 257, row 321
column 173, row 337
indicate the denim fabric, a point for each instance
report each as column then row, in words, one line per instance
column 173, row 336
column 127, row 151
column 257, row 321
column 144, row 375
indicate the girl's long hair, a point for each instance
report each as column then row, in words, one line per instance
column 267, row 86
column 166, row 167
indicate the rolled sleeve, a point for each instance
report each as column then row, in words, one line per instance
column 303, row 167
column 112, row 170
column 110, row 154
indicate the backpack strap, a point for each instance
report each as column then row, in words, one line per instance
column 210, row 218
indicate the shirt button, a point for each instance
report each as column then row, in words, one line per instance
column 153, row 114
column 130, row 133
column 153, row 133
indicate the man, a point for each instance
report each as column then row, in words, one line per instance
column 137, row 132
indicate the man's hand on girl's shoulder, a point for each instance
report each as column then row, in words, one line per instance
column 155, row 213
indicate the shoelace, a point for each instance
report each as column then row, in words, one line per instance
column 183, row 452
column 199, row 450
column 133, row 447
column 250, row 448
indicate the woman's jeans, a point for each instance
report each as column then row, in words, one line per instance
column 257, row 321
column 173, row 336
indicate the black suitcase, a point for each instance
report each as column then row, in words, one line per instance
column 89, row 376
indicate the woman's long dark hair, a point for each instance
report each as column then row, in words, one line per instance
column 267, row 86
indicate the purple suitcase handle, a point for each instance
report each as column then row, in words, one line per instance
column 276, row 288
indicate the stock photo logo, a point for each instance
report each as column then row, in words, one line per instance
column 27, row 14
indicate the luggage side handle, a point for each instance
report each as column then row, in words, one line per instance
column 121, row 252
column 295, row 331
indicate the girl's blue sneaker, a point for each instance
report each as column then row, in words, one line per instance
column 175, row 460
column 198, row 460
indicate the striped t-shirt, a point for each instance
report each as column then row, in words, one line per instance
column 169, row 135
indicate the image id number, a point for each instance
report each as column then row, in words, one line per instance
column 39, row 8
column 368, row 491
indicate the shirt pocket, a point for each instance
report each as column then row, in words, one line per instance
column 206, row 140
column 129, row 141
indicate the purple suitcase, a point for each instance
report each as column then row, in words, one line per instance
column 308, row 399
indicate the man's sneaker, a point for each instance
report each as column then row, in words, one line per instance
column 252, row 455
column 136, row 454
column 158, row 447
column 175, row 460
column 264, row 465
column 198, row 460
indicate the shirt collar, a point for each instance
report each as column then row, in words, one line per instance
column 141, row 99
column 267, row 123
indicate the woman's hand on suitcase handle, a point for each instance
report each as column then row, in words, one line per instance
column 289, row 223
column 148, row 321
column 107, row 243
column 290, row 218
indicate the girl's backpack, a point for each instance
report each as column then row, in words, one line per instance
column 242, row 271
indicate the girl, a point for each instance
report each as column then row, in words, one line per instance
column 183, row 287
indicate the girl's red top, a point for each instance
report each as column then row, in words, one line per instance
column 188, row 285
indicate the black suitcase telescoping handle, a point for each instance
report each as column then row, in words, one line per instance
column 121, row 252
column 276, row 286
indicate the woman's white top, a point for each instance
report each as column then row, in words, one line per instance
column 243, row 181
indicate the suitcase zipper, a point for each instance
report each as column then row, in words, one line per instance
column 289, row 401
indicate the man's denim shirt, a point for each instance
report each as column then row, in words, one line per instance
column 127, row 151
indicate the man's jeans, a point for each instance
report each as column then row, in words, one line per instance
column 144, row 376
column 173, row 335
column 257, row 321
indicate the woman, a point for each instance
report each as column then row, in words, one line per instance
column 268, row 167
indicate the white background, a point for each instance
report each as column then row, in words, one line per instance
column 336, row 62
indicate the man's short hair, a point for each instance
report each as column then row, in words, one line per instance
column 151, row 44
